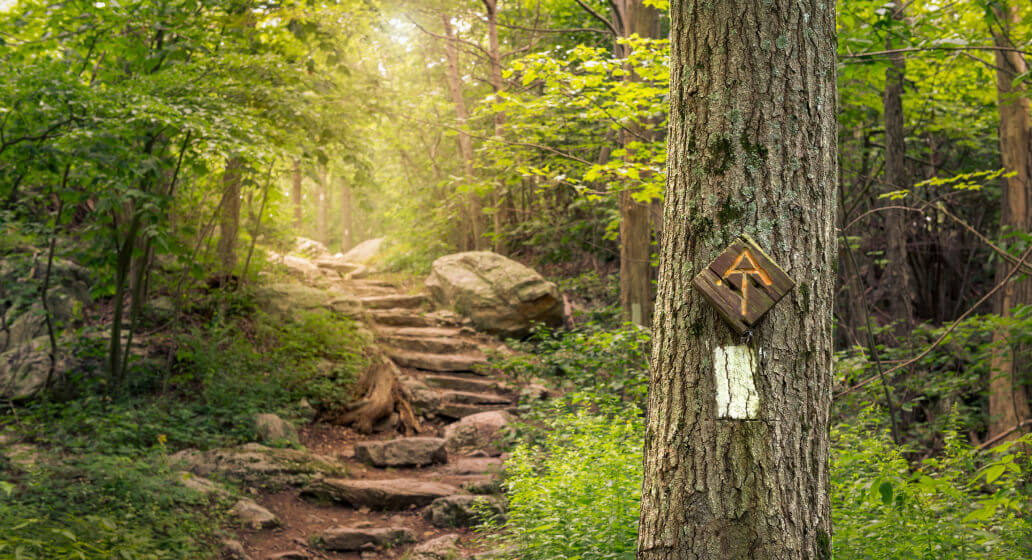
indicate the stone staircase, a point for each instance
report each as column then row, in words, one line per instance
column 425, row 489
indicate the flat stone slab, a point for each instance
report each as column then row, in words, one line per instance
column 436, row 362
column 392, row 494
column 469, row 397
column 349, row 539
column 463, row 511
column 436, row 344
column 459, row 411
column 461, row 383
column 404, row 452
column 393, row 301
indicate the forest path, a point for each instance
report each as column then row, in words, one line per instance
column 405, row 496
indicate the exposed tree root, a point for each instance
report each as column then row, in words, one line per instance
column 382, row 395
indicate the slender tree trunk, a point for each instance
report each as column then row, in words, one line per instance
column 475, row 228
column 323, row 212
column 636, row 293
column 752, row 150
column 1010, row 367
column 229, row 220
column 897, row 283
column 347, row 226
column 295, row 196
column 497, row 86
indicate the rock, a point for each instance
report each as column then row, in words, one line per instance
column 478, row 432
column 463, row 511
column 199, row 484
column 272, row 428
column 258, row 465
column 337, row 265
column 364, row 252
column 424, row 399
column 483, row 484
column 445, row 547
column 289, row 555
column 534, row 392
column 22, row 456
column 253, row 515
column 300, row 267
column 349, row 539
column 307, row 410
column 285, row 300
column 405, row 452
column 459, row 383
column 395, row 494
column 500, row 295
column 24, row 369
column 393, row 301
column 310, row 248
column 233, row 550
column 470, row 361
column 474, row 465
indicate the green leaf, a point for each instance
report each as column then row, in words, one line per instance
column 885, row 488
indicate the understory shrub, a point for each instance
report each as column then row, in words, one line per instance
column 574, row 488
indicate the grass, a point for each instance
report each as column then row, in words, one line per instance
column 101, row 486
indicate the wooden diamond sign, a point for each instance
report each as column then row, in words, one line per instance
column 743, row 284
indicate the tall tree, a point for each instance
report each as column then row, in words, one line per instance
column 296, row 195
column 347, row 220
column 632, row 17
column 323, row 211
column 896, row 284
column 752, row 150
column 474, row 238
column 229, row 221
column 1008, row 390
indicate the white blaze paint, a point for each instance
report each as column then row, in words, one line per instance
column 734, row 367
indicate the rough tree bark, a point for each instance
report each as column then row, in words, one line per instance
column 1008, row 390
column 229, row 219
column 474, row 238
column 896, row 283
column 752, row 150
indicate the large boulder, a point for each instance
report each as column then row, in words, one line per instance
column 310, row 248
column 393, row 494
column 364, row 252
column 499, row 295
column 24, row 369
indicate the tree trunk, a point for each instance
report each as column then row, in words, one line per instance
column 1008, row 385
column 752, row 150
column 636, row 294
column 295, row 195
column 323, row 212
column 475, row 229
column 896, row 283
column 497, row 86
column 229, row 219
column 347, row 225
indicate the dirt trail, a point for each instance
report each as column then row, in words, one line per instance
column 442, row 363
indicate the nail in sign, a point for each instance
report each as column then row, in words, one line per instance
column 743, row 284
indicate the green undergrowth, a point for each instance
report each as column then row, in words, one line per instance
column 574, row 477
column 101, row 485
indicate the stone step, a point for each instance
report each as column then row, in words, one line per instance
column 464, row 383
column 467, row 397
column 403, row 452
column 392, row 494
column 436, row 345
column 412, row 318
column 423, row 332
column 394, row 301
column 436, row 362
column 352, row 539
column 458, row 411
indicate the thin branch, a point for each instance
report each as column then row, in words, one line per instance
column 599, row 17
column 938, row 48
column 1003, row 435
column 942, row 337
